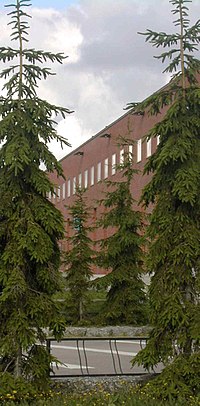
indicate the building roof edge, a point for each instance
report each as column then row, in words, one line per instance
column 130, row 111
column 96, row 135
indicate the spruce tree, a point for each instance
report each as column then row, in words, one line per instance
column 122, row 252
column 30, row 225
column 174, row 229
column 80, row 256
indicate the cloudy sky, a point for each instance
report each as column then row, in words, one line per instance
column 108, row 64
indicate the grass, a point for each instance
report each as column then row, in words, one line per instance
column 60, row 394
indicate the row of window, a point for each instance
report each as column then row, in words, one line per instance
column 102, row 170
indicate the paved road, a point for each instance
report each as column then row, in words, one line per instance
column 97, row 357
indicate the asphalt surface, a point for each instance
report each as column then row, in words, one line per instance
column 96, row 357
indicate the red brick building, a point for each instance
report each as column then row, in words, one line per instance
column 95, row 160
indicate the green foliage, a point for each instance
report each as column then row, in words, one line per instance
column 174, row 229
column 188, row 37
column 122, row 254
column 179, row 380
column 30, row 225
column 183, row 63
column 15, row 390
column 92, row 306
column 19, row 391
column 80, row 257
column 123, row 392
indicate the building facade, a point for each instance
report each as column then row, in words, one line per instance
column 95, row 161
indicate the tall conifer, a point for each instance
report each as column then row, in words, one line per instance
column 121, row 253
column 80, row 257
column 174, row 229
column 30, row 225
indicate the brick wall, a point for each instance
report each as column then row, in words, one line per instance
column 82, row 164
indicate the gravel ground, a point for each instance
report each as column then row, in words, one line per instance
column 108, row 331
column 109, row 384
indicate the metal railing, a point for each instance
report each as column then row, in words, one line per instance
column 95, row 356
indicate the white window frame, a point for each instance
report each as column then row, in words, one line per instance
column 114, row 159
column 63, row 191
column 148, row 148
column 68, row 188
column 54, row 194
column 139, row 150
column 121, row 156
column 58, row 193
column 92, row 176
column 158, row 139
column 80, row 180
column 106, row 168
column 74, row 185
column 98, row 171
column 130, row 152
column 86, row 179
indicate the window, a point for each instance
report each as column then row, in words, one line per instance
column 130, row 150
column 106, row 168
column 49, row 195
column 92, row 176
column 149, row 148
column 58, row 193
column 121, row 156
column 74, row 185
column 63, row 191
column 99, row 172
column 158, row 139
column 86, row 179
column 80, row 180
column 139, row 150
column 68, row 188
column 113, row 164
column 54, row 194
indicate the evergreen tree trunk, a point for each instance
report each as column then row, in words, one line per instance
column 182, row 49
column 18, row 363
column 20, row 52
column 187, row 349
column 81, row 310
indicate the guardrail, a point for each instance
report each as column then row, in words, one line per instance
column 95, row 356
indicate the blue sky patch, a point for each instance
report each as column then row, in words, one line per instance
column 57, row 4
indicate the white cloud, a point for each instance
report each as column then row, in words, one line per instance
column 72, row 130
column 109, row 64
column 54, row 31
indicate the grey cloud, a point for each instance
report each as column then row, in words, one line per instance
column 111, row 40
column 113, row 50
column 110, row 31
column 115, row 65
